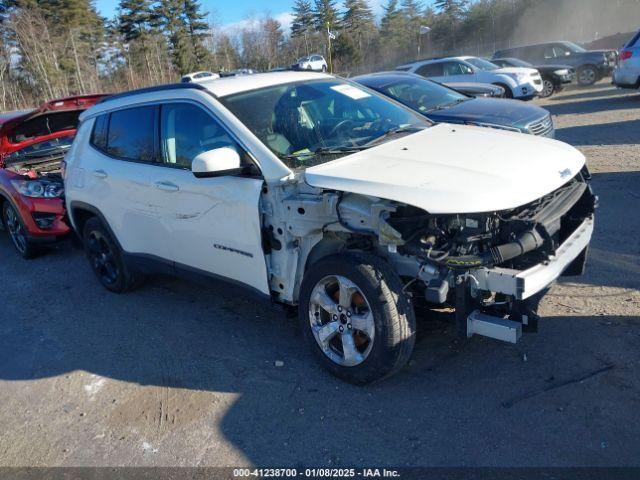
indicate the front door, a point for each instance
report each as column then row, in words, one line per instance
column 213, row 223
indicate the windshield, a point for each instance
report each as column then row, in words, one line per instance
column 309, row 123
column 422, row 95
column 482, row 64
column 573, row 47
column 303, row 59
column 42, row 149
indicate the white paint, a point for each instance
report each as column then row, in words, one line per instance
column 94, row 387
column 454, row 169
column 350, row 91
column 147, row 447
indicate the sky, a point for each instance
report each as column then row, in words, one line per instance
column 233, row 13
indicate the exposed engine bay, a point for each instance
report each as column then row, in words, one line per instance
column 49, row 168
column 437, row 256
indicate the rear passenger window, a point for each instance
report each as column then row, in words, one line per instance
column 430, row 70
column 131, row 134
column 99, row 134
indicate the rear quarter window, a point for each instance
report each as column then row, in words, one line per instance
column 99, row 133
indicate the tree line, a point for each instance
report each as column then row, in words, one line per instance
column 56, row 48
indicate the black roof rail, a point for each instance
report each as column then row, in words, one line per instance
column 157, row 88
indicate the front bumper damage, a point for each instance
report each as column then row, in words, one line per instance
column 500, row 301
column 525, row 287
column 522, row 284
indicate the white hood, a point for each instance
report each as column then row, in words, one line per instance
column 454, row 169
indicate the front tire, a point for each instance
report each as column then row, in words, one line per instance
column 508, row 93
column 587, row 75
column 18, row 233
column 548, row 88
column 106, row 260
column 356, row 318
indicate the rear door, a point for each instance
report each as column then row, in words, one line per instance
column 433, row 71
column 121, row 177
column 213, row 224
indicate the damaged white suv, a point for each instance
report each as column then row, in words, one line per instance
column 314, row 191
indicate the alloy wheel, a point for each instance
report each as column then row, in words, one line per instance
column 341, row 320
column 547, row 88
column 587, row 76
column 102, row 259
column 16, row 231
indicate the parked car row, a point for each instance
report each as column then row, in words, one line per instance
column 339, row 197
column 519, row 83
column 590, row 65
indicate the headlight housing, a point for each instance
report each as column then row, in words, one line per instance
column 38, row 188
column 519, row 77
column 562, row 72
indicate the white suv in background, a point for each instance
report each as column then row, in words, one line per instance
column 199, row 77
column 315, row 62
column 314, row 191
column 520, row 83
column 627, row 72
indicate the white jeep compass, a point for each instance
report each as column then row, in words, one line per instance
column 313, row 191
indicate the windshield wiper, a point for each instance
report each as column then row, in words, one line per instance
column 323, row 151
column 339, row 150
column 391, row 133
column 447, row 105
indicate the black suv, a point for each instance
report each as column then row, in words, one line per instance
column 590, row 65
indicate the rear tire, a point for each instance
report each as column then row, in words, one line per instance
column 18, row 233
column 356, row 318
column 106, row 259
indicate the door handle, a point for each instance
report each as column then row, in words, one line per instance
column 167, row 186
column 100, row 174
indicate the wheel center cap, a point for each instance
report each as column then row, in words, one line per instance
column 343, row 319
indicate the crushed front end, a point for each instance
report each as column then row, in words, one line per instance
column 495, row 267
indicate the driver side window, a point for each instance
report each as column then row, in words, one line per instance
column 187, row 131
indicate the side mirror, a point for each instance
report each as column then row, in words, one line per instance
column 220, row 161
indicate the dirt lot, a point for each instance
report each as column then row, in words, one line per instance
column 181, row 374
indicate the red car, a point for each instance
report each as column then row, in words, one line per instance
column 32, row 146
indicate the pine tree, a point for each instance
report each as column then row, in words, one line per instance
column 325, row 14
column 392, row 24
column 273, row 41
column 135, row 18
column 197, row 28
column 358, row 31
column 357, row 17
column 451, row 8
column 303, row 19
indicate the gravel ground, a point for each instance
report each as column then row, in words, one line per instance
column 177, row 374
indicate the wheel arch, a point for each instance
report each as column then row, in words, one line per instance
column 508, row 91
column 324, row 248
column 81, row 212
